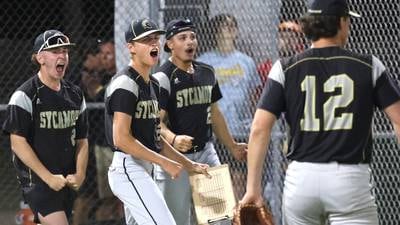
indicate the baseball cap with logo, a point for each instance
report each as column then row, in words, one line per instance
column 51, row 39
column 176, row 26
column 141, row 28
column 331, row 8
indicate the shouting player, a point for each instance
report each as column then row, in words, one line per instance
column 188, row 101
column 47, row 122
column 133, row 131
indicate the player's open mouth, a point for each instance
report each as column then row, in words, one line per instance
column 189, row 50
column 60, row 67
column 154, row 53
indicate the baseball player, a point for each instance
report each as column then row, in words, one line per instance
column 328, row 95
column 188, row 100
column 133, row 131
column 47, row 123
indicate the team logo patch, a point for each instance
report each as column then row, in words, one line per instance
column 146, row 24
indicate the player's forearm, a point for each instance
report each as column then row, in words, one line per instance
column 220, row 128
column 167, row 133
column 82, row 149
column 130, row 145
column 393, row 112
column 255, row 159
column 257, row 148
column 25, row 153
column 172, row 154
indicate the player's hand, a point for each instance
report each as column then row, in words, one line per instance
column 172, row 168
column 75, row 181
column 239, row 151
column 56, row 181
column 252, row 197
column 183, row 143
column 199, row 168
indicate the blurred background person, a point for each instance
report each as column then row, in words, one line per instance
column 89, row 83
column 95, row 192
column 107, row 59
column 238, row 80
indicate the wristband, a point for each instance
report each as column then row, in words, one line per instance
column 173, row 140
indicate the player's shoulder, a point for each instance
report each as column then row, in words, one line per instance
column 154, row 80
column 365, row 58
column 125, row 75
column 333, row 53
column 30, row 86
column 167, row 68
column 68, row 84
column 125, row 79
column 203, row 66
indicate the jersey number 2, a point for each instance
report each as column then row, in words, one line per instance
column 344, row 121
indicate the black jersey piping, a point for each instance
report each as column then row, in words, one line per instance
column 137, row 192
column 327, row 58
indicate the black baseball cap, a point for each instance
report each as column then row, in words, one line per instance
column 51, row 39
column 141, row 28
column 331, row 8
column 176, row 26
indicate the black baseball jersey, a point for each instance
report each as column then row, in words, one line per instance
column 187, row 98
column 329, row 95
column 50, row 121
column 129, row 93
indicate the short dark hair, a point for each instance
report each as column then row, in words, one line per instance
column 319, row 26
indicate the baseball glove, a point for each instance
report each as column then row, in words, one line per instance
column 250, row 214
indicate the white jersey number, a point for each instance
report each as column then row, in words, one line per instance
column 344, row 121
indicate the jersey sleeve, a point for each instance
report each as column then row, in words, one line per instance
column 386, row 91
column 82, row 124
column 165, row 89
column 18, row 119
column 273, row 96
column 122, row 95
column 216, row 93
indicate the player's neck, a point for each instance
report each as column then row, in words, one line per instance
column 143, row 70
column 186, row 66
column 327, row 42
column 46, row 79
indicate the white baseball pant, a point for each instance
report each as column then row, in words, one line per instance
column 316, row 193
column 131, row 181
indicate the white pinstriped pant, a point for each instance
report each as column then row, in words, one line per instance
column 337, row 193
column 130, row 180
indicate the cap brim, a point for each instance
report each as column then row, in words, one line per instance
column 59, row 45
column 354, row 14
column 148, row 33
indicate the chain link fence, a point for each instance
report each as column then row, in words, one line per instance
column 261, row 31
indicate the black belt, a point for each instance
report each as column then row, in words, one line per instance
column 196, row 148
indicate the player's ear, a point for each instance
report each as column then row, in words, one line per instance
column 39, row 58
column 170, row 44
column 131, row 48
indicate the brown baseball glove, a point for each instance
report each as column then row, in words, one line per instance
column 250, row 214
